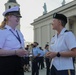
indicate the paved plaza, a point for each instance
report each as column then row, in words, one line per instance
column 41, row 72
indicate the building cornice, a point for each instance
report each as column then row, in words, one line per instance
column 59, row 9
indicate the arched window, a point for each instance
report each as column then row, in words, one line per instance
column 9, row 6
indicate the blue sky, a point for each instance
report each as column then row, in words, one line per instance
column 30, row 10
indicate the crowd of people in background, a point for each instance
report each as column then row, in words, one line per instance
column 35, row 59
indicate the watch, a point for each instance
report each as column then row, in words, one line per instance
column 58, row 54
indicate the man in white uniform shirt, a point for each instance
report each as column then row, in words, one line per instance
column 11, row 44
column 63, row 47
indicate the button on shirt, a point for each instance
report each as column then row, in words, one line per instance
column 8, row 41
column 64, row 42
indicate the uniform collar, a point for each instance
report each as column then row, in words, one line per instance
column 8, row 27
column 35, row 47
column 62, row 32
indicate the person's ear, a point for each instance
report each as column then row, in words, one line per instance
column 59, row 22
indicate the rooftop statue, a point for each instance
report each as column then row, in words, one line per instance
column 45, row 8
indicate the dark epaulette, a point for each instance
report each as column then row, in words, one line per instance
column 3, row 28
column 66, row 30
column 53, row 35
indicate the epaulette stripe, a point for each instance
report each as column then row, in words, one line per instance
column 53, row 35
column 66, row 30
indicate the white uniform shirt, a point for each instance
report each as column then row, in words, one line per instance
column 8, row 41
column 64, row 42
column 41, row 53
column 45, row 51
column 36, row 51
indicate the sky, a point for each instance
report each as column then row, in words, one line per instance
column 30, row 10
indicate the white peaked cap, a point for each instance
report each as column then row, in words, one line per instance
column 15, row 8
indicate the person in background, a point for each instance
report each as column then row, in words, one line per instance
column 62, row 46
column 41, row 58
column 26, row 60
column 47, row 60
column 11, row 43
column 35, row 59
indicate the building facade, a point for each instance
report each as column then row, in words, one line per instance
column 43, row 31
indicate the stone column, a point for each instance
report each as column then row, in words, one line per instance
column 48, row 30
column 40, row 36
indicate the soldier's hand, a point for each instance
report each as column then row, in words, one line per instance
column 51, row 54
column 21, row 52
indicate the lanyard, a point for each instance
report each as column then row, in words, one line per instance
column 18, row 38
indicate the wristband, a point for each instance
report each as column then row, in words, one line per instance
column 58, row 54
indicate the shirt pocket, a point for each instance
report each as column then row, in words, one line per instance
column 12, row 40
